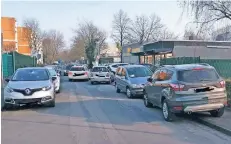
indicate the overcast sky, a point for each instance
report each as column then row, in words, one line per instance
column 63, row 16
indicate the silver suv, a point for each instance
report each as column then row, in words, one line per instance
column 186, row 88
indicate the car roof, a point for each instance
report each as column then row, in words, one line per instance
column 187, row 66
column 100, row 66
column 38, row 68
column 118, row 63
column 132, row 66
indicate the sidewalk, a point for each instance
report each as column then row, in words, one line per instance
column 222, row 124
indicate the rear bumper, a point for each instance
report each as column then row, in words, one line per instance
column 100, row 79
column 79, row 77
column 201, row 108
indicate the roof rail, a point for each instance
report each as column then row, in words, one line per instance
column 204, row 64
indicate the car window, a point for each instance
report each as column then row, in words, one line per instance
column 165, row 75
column 139, row 72
column 197, row 76
column 52, row 72
column 118, row 71
column 115, row 66
column 155, row 76
column 123, row 72
column 100, row 69
column 31, row 75
column 77, row 69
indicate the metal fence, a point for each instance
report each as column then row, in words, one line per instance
column 12, row 61
column 223, row 67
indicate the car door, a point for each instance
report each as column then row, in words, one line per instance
column 118, row 77
column 124, row 79
column 150, row 87
column 160, row 83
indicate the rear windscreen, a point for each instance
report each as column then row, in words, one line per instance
column 195, row 76
column 77, row 69
column 99, row 69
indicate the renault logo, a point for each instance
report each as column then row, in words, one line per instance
column 27, row 91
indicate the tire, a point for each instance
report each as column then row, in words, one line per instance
column 8, row 106
column 217, row 113
column 58, row 91
column 128, row 93
column 52, row 103
column 92, row 83
column 146, row 101
column 117, row 89
column 167, row 114
column 70, row 80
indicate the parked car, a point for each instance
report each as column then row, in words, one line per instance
column 131, row 79
column 101, row 74
column 186, row 88
column 78, row 73
column 30, row 86
column 67, row 68
column 114, row 66
column 53, row 73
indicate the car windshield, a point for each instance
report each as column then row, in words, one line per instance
column 77, row 69
column 197, row 76
column 99, row 69
column 68, row 67
column 31, row 75
column 139, row 72
column 52, row 72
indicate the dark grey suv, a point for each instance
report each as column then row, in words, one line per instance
column 186, row 88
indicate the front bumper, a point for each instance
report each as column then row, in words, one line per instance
column 137, row 91
column 40, row 97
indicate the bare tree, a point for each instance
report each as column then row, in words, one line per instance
column 77, row 49
column 208, row 12
column 223, row 33
column 121, row 28
column 53, row 43
column 93, row 37
column 33, row 34
column 166, row 34
column 146, row 28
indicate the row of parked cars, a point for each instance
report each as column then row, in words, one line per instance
column 175, row 89
column 32, row 85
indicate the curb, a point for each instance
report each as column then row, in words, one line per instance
column 214, row 126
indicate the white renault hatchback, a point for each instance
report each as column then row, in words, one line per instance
column 30, row 86
column 78, row 73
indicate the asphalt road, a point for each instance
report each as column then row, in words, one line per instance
column 96, row 114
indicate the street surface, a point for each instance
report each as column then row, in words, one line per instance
column 96, row 114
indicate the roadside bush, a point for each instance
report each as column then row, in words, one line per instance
column 228, row 89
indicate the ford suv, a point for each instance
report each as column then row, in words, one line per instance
column 186, row 88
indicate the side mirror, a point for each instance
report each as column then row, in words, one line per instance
column 7, row 79
column 150, row 79
column 53, row 78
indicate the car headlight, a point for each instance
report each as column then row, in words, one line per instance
column 46, row 88
column 9, row 90
column 137, row 86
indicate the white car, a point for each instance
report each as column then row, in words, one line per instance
column 53, row 73
column 30, row 86
column 114, row 66
column 78, row 73
column 101, row 74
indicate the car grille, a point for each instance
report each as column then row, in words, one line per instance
column 26, row 101
column 22, row 91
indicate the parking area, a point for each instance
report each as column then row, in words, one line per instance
column 96, row 114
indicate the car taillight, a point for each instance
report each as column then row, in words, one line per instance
column 222, row 83
column 69, row 73
column 107, row 75
column 85, row 73
column 177, row 87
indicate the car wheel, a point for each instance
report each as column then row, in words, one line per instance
column 146, row 101
column 58, row 91
column 217, row 113
column 52, row 103
column 92, row 82
column 128, row 93
column 117, row 89
column 167, row 114
column 7, row 106
column 70, row 80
